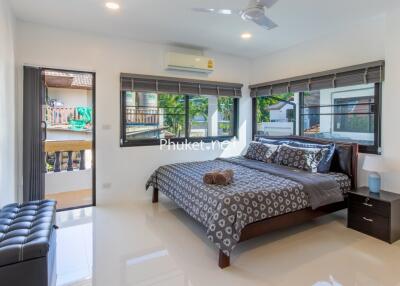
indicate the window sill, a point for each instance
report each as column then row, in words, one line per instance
column 157, row 142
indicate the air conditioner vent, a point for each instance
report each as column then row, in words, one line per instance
column 191, row 63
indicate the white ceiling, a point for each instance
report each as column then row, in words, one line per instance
column 173, row 22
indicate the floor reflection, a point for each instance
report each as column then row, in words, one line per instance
column 144, row 244
column 164, row 270
column 331, row 282
column 75, row 247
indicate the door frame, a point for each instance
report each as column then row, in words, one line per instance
column 93, row 133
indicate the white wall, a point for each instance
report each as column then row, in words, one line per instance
column 68, row 181
column 369, row 41
column 358, row 44
column 391, row 98
column 127, row 169
column 7, row 106
column 71, row 97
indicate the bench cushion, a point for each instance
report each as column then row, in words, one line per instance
column 25, row 230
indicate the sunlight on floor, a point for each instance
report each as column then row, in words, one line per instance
column 144, row 244
column 75, row 248
column 71, row 199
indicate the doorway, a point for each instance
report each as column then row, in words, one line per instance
column 67, row 127
column 68, row 115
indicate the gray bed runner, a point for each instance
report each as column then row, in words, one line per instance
column 321, row 188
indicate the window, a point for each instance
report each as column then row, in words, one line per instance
column 151, row 115
column 198, row 116
column 342, row 105
column 275, row 115
column 148, row 117
column 354, row 114
column 226, row 116
column 349, row 114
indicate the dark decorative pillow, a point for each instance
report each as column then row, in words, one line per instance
column 260, row 152
column 306, row 159
column 325, row 164
column 256, row 151
column 270, row 155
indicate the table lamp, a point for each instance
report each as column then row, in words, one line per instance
column 375, row 165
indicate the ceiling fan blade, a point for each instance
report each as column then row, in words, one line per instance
column 265, row 22
column 216, row 11
column 267, row 3
column 204, row 10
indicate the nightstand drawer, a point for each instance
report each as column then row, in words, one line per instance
column 369, row 205
column 369, row 223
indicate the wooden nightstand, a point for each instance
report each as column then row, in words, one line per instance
column 377, row 215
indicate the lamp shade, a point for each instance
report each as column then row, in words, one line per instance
column 375, row 164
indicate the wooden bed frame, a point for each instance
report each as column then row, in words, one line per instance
column 298, row 217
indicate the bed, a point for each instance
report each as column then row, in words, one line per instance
column 263, row 197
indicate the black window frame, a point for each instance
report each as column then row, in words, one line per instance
column 368, row 149
column 153, row 142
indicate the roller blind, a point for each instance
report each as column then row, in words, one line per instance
column 146, row 83
column 373, row 72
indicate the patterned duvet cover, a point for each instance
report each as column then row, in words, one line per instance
column 254, row 195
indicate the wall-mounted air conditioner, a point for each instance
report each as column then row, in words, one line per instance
column 192, row 63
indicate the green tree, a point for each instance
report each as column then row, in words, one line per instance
column 198, row 107
column 174, row 110
column 225, row 107
column 263, row 103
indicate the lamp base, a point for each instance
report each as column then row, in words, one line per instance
column 374, row 183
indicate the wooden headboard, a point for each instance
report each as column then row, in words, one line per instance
column 345, row 159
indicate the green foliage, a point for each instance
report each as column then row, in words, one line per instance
column 198, row 107
column 225, row 107
column 263, row 113
column 174, row 108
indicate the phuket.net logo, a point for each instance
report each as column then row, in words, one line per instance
column 168, row 145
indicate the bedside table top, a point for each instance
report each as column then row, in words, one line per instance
column 382, row 196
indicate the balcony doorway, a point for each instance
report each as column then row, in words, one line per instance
column 68, row 115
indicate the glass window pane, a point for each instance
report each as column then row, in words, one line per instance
column 342, row 114
column 154, row 116
column 354, row 115
column 276, row 115
column 312, row 110
column 198, row 116
column 225, row 116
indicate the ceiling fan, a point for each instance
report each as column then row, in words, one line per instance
column 255, row 12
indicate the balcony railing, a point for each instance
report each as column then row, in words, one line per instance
column 60, row 116
column 143, row 115
column 73, row 148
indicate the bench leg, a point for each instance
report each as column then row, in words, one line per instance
column 224, row 260
column 155, row 195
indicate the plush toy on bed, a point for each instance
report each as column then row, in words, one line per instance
column 217, row 177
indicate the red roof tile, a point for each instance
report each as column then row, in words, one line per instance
column 68, row 79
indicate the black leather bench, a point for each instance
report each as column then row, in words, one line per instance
column 28, row 244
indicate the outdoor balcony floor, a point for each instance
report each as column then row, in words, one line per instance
column 73, row 199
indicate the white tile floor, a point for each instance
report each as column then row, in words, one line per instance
column 144, row 244
column 75, row 247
